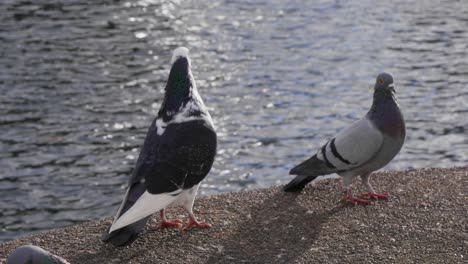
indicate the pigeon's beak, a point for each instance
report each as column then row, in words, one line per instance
column 391, row 87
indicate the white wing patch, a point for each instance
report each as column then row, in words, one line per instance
column 353, row 146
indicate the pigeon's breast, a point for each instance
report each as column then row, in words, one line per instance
column 394, row 126
column 390, row 122
column 388, row 118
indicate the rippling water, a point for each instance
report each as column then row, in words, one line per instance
column 80, row 84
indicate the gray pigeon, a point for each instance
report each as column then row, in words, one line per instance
column 33, row 255
column 365, row 146
column 177, row 154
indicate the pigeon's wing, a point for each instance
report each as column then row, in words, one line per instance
column 349, row 149
column 182, row 158
column 352, row 147
column 125, row 230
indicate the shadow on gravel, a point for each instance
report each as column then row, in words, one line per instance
column 277, row 231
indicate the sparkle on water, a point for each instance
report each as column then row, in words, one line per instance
column 80, row 84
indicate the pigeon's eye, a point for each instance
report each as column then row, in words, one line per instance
column 381, row 81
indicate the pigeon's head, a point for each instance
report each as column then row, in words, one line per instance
column 384, row 82
column 179, row 81
column 180, row 53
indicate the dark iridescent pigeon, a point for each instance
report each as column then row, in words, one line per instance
column 365, row 146
column 33, row 255
column 178, row 153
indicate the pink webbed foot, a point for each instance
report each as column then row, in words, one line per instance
column 194, row 223
column 376, row 196
column 171, row 223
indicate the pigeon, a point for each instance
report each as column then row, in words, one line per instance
column 33, row 255
column 177, row 154
column 367, row 145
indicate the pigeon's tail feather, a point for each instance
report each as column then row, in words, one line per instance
column 146, row 205
column 307, row 171
column 312, row 166
column 298, row 183
column 125, row 235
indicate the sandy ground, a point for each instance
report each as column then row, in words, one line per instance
column 424, row 221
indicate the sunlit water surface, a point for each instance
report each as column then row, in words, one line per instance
column 80, row 84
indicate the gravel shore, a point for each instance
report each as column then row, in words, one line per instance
column 424, row 221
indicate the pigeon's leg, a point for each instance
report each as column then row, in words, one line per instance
column 348, row 194
column 371, row 193
column 169, row 223
column 188, row 205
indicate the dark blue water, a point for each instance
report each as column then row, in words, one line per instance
column 80, row 84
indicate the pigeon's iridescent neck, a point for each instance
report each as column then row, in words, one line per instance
column 178, row 89
column 386, row 115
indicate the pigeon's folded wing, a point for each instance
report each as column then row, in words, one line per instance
column 352, row 147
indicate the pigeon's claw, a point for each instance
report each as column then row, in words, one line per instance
column 349, row 198
column 194, row 223
column 354, row 200
column 171, row 223
column 376, row 196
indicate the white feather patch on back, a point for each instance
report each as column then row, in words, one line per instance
column 146, row 205
column 356, row 144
